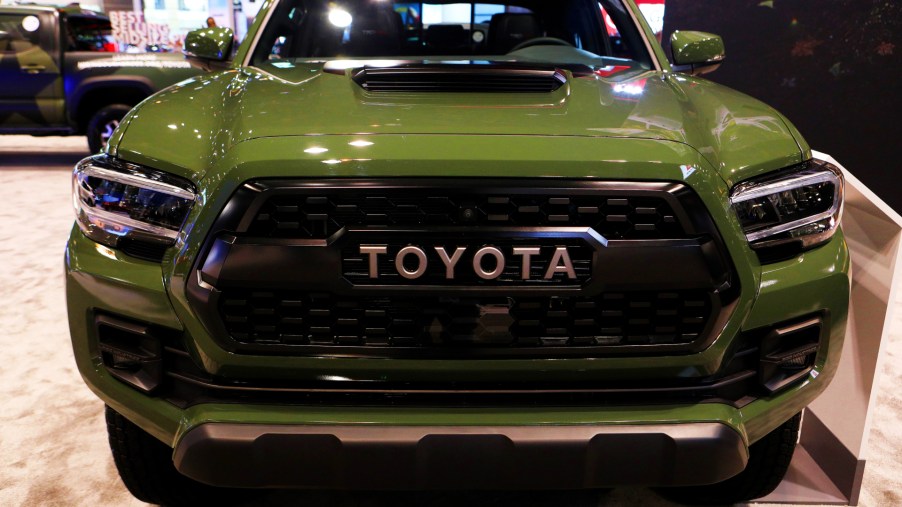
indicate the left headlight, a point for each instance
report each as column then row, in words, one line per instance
column 791, row 211
column 126, row 206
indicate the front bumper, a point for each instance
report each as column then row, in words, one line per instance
column 409, row 447
column 523, row 440
column 449, row 457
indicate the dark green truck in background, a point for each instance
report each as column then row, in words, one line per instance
column 59, row 75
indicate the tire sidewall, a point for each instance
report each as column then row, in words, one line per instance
column 99, row 119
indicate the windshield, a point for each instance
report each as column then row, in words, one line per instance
column 585, row 32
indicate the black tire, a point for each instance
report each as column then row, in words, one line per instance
column 768, row 462
column 145, row 466
column 102, row 123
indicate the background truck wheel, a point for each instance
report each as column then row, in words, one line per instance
column 145, row 466
column 768, row 461
column 103, row 123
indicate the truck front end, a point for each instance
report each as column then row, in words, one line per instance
column 566, row 281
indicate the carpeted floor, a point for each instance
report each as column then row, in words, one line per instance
column 53, row 448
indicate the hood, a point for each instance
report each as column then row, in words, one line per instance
column 193, row 125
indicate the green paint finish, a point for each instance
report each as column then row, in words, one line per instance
column 814, row 280
column 295, row 120
column 210, row 43
column 657, row 51
column 119, row 284
column 736, row 133
column 86, row 294
column 253, row 31
column 696, row 48
column 437, row 416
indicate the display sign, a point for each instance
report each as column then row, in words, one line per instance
column 130, row 29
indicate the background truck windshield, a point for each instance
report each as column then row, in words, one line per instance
column 568, row 31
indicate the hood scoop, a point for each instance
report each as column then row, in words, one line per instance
column 459, row 78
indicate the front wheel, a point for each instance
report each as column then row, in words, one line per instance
column 768, row 462
column 145, row 466
column 103, row 123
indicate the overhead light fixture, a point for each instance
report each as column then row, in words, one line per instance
column 340, row 18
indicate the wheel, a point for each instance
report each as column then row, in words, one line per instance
column 768, row 461
column 541, row 41
column 103, row 123
column 145, row 466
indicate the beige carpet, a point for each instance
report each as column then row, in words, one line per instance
column 53, row 448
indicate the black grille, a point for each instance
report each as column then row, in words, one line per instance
column 610, row 319
column 320, row 216
column 459, row 78
column 283, row 273
column 147, row 250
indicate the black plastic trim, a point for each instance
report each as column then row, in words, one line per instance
column 448, row 78
column 735, row 383
column 643, row 264
column 781, row 345
column 227, row 266
column 137, row 345
column 381, row 457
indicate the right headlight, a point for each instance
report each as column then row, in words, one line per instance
column 129, row 207
column 792, row 211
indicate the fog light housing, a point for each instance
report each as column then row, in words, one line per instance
column 788, row 353
column 131, row 352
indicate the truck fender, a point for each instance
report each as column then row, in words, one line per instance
column 131, row 85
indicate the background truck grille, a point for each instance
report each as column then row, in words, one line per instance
column 320, row 216
column 610, row 319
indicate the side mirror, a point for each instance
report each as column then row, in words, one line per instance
column 209, row 48
column 696, row 52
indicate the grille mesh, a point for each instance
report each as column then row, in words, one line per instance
column 320, row 216
column 347, row 311
column 625, row 318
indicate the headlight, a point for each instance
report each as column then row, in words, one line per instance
column 797, row 209
column 126, row 206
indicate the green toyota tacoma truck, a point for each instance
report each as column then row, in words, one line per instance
column 503, row 247
column 58, row 75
